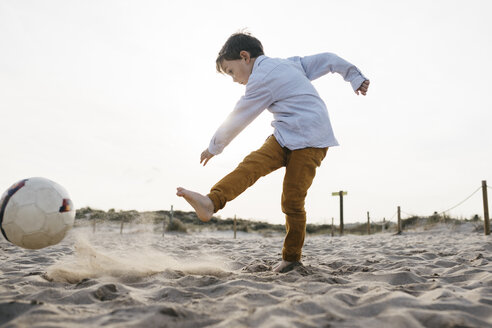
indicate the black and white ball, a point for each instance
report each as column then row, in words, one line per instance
column 36, row 213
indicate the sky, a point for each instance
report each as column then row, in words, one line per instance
column 116, row 100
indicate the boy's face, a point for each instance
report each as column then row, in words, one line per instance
column 239, row 69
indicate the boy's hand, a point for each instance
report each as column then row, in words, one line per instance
column 205, row 157
column 363, row 88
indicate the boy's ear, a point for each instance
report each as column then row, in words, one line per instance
column 245, row 55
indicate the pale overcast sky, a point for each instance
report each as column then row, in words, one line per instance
column 115, row 100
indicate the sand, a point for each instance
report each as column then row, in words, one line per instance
column 441, row 277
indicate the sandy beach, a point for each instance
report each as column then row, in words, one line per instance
column 441, row 277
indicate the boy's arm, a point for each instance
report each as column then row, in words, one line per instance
column 318, row 65
column 247, row 109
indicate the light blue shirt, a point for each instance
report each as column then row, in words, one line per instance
column 283, row 86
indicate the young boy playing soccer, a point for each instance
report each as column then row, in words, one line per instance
column 302, row 130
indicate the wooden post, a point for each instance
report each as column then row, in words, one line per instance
column 384, row 223
column 486, row 222
column 332, row 231
column 170, row 221
column 368, row 224
column 234, row 226
column 341, row 212
column 399, row 220
column 121, row 227
column 340, row 194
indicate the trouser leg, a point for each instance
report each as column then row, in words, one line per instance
column 299, row 174
column 259, row 163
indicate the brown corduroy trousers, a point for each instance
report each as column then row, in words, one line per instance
column 300, row 169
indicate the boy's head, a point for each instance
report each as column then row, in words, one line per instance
column 237, row 56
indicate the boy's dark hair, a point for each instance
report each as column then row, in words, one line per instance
column 235, row 44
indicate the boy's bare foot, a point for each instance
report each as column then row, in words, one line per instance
column 203, row 205
column 282, row 265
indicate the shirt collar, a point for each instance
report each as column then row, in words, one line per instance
column 258, row 60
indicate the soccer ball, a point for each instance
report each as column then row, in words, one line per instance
column 36, row 213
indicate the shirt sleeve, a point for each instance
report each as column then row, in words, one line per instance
column 318, row 65
column 255, row 100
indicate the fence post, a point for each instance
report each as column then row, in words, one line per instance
column 486, row 221
column 341, row 213
column 234, row 226
column 332, row 232
column 340, row 194
column 368, row 224
column 384, row 223
column 399, row 220
column 121, row 227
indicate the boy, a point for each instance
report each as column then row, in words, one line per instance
column 301, row 137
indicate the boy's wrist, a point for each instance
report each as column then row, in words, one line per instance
column 213, row 150
column 357, row 82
